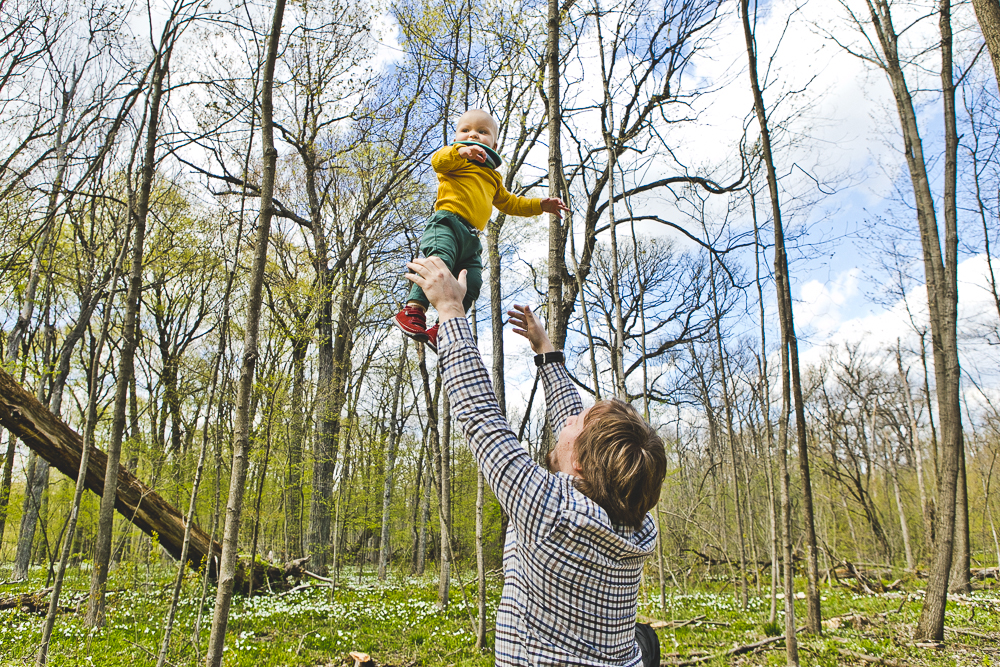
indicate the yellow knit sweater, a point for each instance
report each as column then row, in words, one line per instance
column 472, row 190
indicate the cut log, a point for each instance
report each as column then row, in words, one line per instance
column 268, row 577
column 61, row 446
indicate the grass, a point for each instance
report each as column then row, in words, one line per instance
column 876, row 626
column 399, row 623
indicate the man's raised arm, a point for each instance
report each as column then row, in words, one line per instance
column 528, row 493
column 562, row 400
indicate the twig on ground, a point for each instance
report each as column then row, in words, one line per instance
column 657, row 625
column 316, row 576
column 302, row 640
column 970, row 633
column 739, row 650
column 864, row 657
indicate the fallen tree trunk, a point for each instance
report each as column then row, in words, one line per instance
column 31, row 603
column 61, row 446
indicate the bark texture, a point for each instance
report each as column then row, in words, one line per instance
column 988, row 15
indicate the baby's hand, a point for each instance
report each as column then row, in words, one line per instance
column 476, row 153
column 554, row 205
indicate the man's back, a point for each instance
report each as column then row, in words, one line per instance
column 571, row 577
column 570, row 598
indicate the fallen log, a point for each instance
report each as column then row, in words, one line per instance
column 31, row 603
column 61, row 446
column 268, row 577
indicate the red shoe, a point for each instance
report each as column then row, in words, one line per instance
column 413, row 322
column 432, row 338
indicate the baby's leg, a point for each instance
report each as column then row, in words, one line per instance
column 472, row 261
column 438, row 240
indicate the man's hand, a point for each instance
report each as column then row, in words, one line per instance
column 476, row 153
column 440, row 287
column 554, row 205
column 528, row 325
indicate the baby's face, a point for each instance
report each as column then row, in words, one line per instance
column 478, row 126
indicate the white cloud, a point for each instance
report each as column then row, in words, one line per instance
column 820, row 305
column 876, row 333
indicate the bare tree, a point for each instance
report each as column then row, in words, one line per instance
column 940, row 273
column 241, row 446
column 790, row 375
column 181, row 15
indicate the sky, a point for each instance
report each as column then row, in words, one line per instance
column 842, row 155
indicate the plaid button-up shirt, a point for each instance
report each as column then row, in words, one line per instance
column 571, row 577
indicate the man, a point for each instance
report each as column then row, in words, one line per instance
column 579, row 532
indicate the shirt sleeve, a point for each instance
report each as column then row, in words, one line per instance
column 514, row 205
column 562, row 400
column 447, row 159
column 529, row 494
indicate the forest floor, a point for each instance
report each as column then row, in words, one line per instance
column 399, row 624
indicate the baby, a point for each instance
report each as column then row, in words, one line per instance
column 468, row 188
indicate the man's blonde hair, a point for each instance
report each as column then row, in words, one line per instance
column 622, row 462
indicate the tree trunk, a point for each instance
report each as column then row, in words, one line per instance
column 765, row 409
column 418, row 489
column 425, row 511
column 330, row 407
column 558, row 313
column 988, row 15
column 241, row 446
column 5, row 481
column 791, row 641
column 942, row 296
column 293, row 484
column 731, row 437
column 480, row 563
column 327, row 415
column 894, row 474
column 607, row 125
column 395, row 430
column 444, row 501
column 36, row 483
column 926, row 503
column 262, row 477
column 960, row 578
column 138, row 211
column 789, row 342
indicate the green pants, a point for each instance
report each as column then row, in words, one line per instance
column 455, row 241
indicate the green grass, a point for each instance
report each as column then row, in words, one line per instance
column 882, row 628
column 398, row 622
